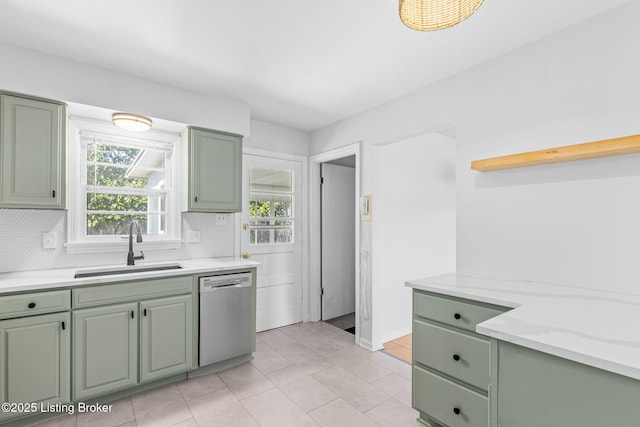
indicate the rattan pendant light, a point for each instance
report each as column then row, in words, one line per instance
column 432, row 15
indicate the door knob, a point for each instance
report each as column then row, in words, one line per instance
column 245, row 226
column 245, row 255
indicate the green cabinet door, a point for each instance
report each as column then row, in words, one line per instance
column 166, row 337
column 214, row 162
column 35, row 360
column 32, row 142
column 105, row 349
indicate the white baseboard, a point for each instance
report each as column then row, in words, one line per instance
column 367, row 344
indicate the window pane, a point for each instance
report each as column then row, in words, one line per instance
column 263, row 237
column 115, row 154
column 263, row 179
column 270, row 205
column 283, row 235
column 113, row 177
column 120, row 166
column 283, row 206
column 121, row 202
column 117, row 225
column 258, row 207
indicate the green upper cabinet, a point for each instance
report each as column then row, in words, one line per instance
column 32, row 144
column 211, row 171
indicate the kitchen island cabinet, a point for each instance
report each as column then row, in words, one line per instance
column 32, row 152
column 451, row 363
column 212, row 163
column 536, row 389
column 552, row 362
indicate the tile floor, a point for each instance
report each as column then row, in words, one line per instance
column 309, row 374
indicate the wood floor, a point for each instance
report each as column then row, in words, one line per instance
column 400, row 348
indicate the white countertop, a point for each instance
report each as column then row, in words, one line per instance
column 600, row 329
column 41, row 279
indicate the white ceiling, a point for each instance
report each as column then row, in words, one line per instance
column 301, row 63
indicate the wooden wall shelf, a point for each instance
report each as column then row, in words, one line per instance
column 589, row 150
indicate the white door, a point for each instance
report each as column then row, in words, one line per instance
column 271, row 218
column 338, row 241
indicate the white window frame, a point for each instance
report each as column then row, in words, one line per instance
column 78, row 241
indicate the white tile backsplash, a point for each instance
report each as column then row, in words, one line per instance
column 21, row 241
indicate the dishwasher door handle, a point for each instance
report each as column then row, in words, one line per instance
column 230, row 286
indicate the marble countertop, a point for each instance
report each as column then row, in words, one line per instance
column 61, row 278
column 596, row 328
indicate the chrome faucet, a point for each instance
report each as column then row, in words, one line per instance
column 131, row 260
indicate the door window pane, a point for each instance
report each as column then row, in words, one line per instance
column 271, row 204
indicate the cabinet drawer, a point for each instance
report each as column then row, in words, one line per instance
column 457, row 354
column 34, row 303
column 441, row 399
column 128, row 291
column 454, row 312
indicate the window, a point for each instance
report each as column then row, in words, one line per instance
column 121, row 177
column 270, row 206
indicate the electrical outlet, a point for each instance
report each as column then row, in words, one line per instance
column 221, row 219
column 193, row 236
column 50, row 240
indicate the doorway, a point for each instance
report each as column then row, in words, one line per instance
column 337, row 228
column 313, row 293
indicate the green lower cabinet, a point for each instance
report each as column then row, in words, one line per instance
column 112, row 342
column 537, row 389
column 105, row 349
column 35, row 360
column 448, row 402
column 166, row 337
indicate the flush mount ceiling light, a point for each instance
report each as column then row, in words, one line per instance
column 130, row 121
column 433, row 15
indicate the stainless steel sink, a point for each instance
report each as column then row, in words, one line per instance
column 125, row 270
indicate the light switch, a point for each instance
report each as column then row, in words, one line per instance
column 50, row 240
column 221, row 219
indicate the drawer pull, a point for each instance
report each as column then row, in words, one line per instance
column 456, row 411
column 457, row 316
column 456, row 357
column 32, row 305
column 63, row 327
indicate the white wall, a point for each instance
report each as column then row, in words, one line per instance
column 414, row 217
column 37, row 74
column 277, row 138
column 573, row 223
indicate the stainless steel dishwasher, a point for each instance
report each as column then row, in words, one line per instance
column 225, row 317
